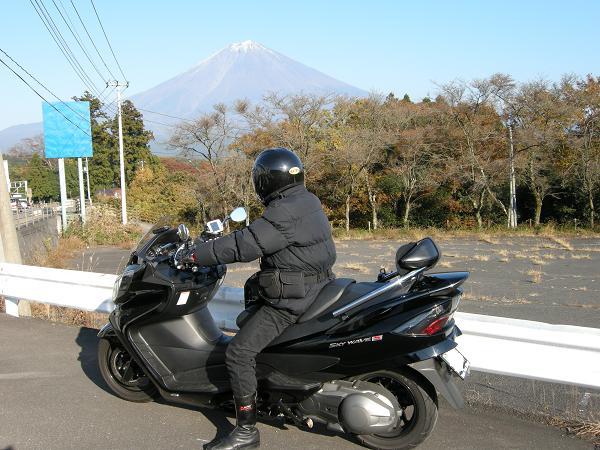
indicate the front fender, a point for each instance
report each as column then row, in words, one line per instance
column 441, row 379
column 107, row 331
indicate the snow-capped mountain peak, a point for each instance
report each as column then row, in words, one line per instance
column 246, row 46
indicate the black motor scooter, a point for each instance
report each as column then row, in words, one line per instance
column 368, row 359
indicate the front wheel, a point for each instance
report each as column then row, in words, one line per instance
column 122, row 374
column 418, row 417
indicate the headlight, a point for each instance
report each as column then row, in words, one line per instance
column 116, row 287
column 123, row 281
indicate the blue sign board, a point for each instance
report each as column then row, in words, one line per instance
column 67, row 130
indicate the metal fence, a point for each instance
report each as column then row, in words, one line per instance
column 520, row 348
column 29, row 216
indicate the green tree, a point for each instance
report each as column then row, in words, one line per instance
column 136, row 141
column 104, row 165
column 42, row 179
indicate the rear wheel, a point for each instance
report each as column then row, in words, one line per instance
column 122, row 373
column 418, row 416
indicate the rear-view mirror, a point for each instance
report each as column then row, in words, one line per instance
column 238, row 214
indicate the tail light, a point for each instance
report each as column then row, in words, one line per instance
column 429, row 322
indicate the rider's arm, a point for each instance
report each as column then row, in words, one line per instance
column 259, row 238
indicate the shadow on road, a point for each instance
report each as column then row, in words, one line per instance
column 88, row 340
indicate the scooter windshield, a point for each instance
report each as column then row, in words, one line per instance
column 160, row 225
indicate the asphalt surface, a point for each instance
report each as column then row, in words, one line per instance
column 52, row 397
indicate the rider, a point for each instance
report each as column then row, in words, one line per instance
column 293, row 240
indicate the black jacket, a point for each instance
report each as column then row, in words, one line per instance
column 293, row 234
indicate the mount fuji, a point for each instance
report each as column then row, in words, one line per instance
column 244, row 70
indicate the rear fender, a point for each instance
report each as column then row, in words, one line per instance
column 441, row 379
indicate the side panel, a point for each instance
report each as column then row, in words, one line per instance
column 188, row 352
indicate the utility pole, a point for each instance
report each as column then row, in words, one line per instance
column 512, row 212
column 87, row 174
column 8, row 232
column 81, row 189
column 118, row 85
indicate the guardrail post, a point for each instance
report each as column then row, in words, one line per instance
column 11, row 305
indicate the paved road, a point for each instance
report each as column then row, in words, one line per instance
column 52, row 397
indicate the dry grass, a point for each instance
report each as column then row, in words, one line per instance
column 549, row 245
column 445, row 264
column 503, row 260
column 355, row 266
column 520, row 255
column 59, row 257
column 548, row 256
column 488, row 239
column 502, row 252
column 104, row 227
column 535, row 276
column 545, row 231
column 589, row 249
column 481, row 257
column 585, row 429
column 503, row 300
column 537, row 261
column 584, row 256
column 68, row 315
column 562, row 242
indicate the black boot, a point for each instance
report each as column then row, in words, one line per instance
column 245, row 435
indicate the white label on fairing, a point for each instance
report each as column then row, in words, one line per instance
column 183, row 298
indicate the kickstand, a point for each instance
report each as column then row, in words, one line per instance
column 298, row 421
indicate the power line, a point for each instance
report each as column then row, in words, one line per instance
column 90, row 38
column 61, row 39
column 107, row 41
column 42, row 97
column 51, row 31
column 160, row 123
column 166, row 115
column 42, row 84
column 77, row 39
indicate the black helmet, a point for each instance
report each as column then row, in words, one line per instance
column 275, row 169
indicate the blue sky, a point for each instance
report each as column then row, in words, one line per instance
column 376, row 45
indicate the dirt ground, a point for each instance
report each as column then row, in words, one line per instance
column 552, row 280
column 541, row 279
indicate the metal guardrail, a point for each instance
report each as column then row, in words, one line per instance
column 520, row 348
column 29, row 216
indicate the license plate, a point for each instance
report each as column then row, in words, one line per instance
column 456, row 362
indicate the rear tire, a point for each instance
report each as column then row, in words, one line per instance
column 122, row 374
column 419, row 417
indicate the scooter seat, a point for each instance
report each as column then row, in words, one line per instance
column 330, row 294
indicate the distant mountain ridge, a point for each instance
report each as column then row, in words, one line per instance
column 243, row 70
column 13, row 135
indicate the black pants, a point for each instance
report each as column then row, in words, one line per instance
column 264, row 326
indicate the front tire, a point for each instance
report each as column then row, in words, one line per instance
column 122, row 374
column 419, row 414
